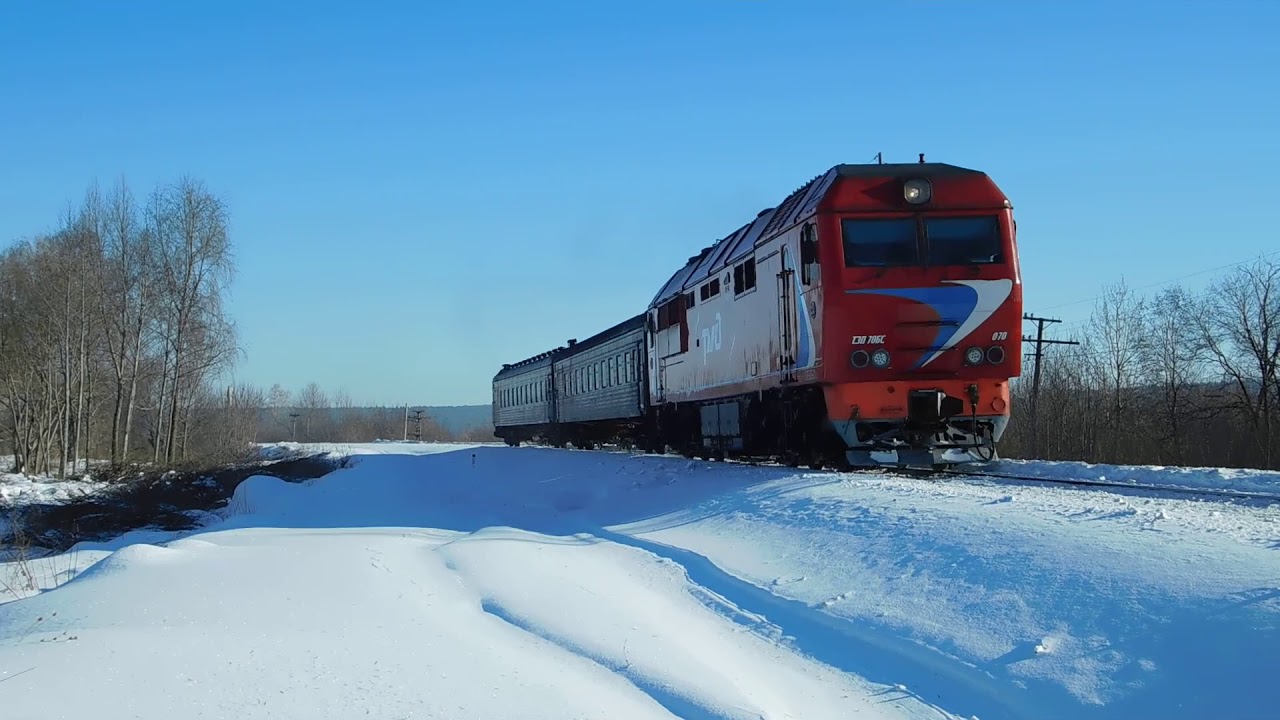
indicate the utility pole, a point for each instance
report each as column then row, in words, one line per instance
column 417, row 424
column 1040, row 342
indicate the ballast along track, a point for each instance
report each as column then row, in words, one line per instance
column 1225, row 493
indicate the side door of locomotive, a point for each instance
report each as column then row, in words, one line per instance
column 786, row 315
column 809, row 308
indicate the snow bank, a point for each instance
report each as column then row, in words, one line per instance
column 286, row 623
column 530, row 582
column 34, row 490
column 281, row 450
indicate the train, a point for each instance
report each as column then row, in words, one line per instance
column 871, row 318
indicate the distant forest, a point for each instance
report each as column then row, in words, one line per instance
column 311, row 416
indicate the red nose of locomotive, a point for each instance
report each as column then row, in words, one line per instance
column 923, row 329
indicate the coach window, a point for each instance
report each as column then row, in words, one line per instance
column 881, row 242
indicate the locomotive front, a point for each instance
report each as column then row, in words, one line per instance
column 922, row 312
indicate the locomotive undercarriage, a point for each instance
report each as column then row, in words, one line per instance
column 791, row 426
column 785, row 425
column 935, row 433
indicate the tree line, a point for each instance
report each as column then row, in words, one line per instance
column 112, row 327
column 1176, row 377
column 114, row 340
column 311, row 415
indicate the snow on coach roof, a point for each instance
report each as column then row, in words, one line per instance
column 769, row 222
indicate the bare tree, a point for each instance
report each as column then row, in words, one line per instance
column 1116, row 345
column 313, row 403
column 194, row 254
column 1173, row 362
column 1239, row 325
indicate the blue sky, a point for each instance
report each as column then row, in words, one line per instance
column 420, row 193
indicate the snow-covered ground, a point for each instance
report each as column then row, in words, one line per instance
column 34, row 490
column 531, row 582
column 273, row 451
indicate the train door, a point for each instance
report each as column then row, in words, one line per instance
column 671, row 331
column 810, row 305
column 786, row 318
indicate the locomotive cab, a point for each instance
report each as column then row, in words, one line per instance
column 922, row 314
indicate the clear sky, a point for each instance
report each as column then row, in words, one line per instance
column 420, row 192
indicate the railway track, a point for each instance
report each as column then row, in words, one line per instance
column 1029, row 480
column 1182, row 490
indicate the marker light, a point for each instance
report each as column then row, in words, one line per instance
column 973, row 355
column 880, row 358
column 916, row 191
column 859, row 358
column 995, row 354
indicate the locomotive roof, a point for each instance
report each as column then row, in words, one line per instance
column 904, row 170
column 770, row 221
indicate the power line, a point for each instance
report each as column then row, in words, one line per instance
column 1171, row 279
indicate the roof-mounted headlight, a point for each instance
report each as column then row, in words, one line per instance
column 916, row 191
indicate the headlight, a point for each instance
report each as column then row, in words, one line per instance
column 973, row 356
column 916, row 191
column 995, row 354
column 880, row 358
column 859, row 358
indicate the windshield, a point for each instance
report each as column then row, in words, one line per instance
column 963, row 240
column 869, row 243
column 881, row 242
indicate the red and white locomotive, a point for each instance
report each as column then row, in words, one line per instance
column 872, row 317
